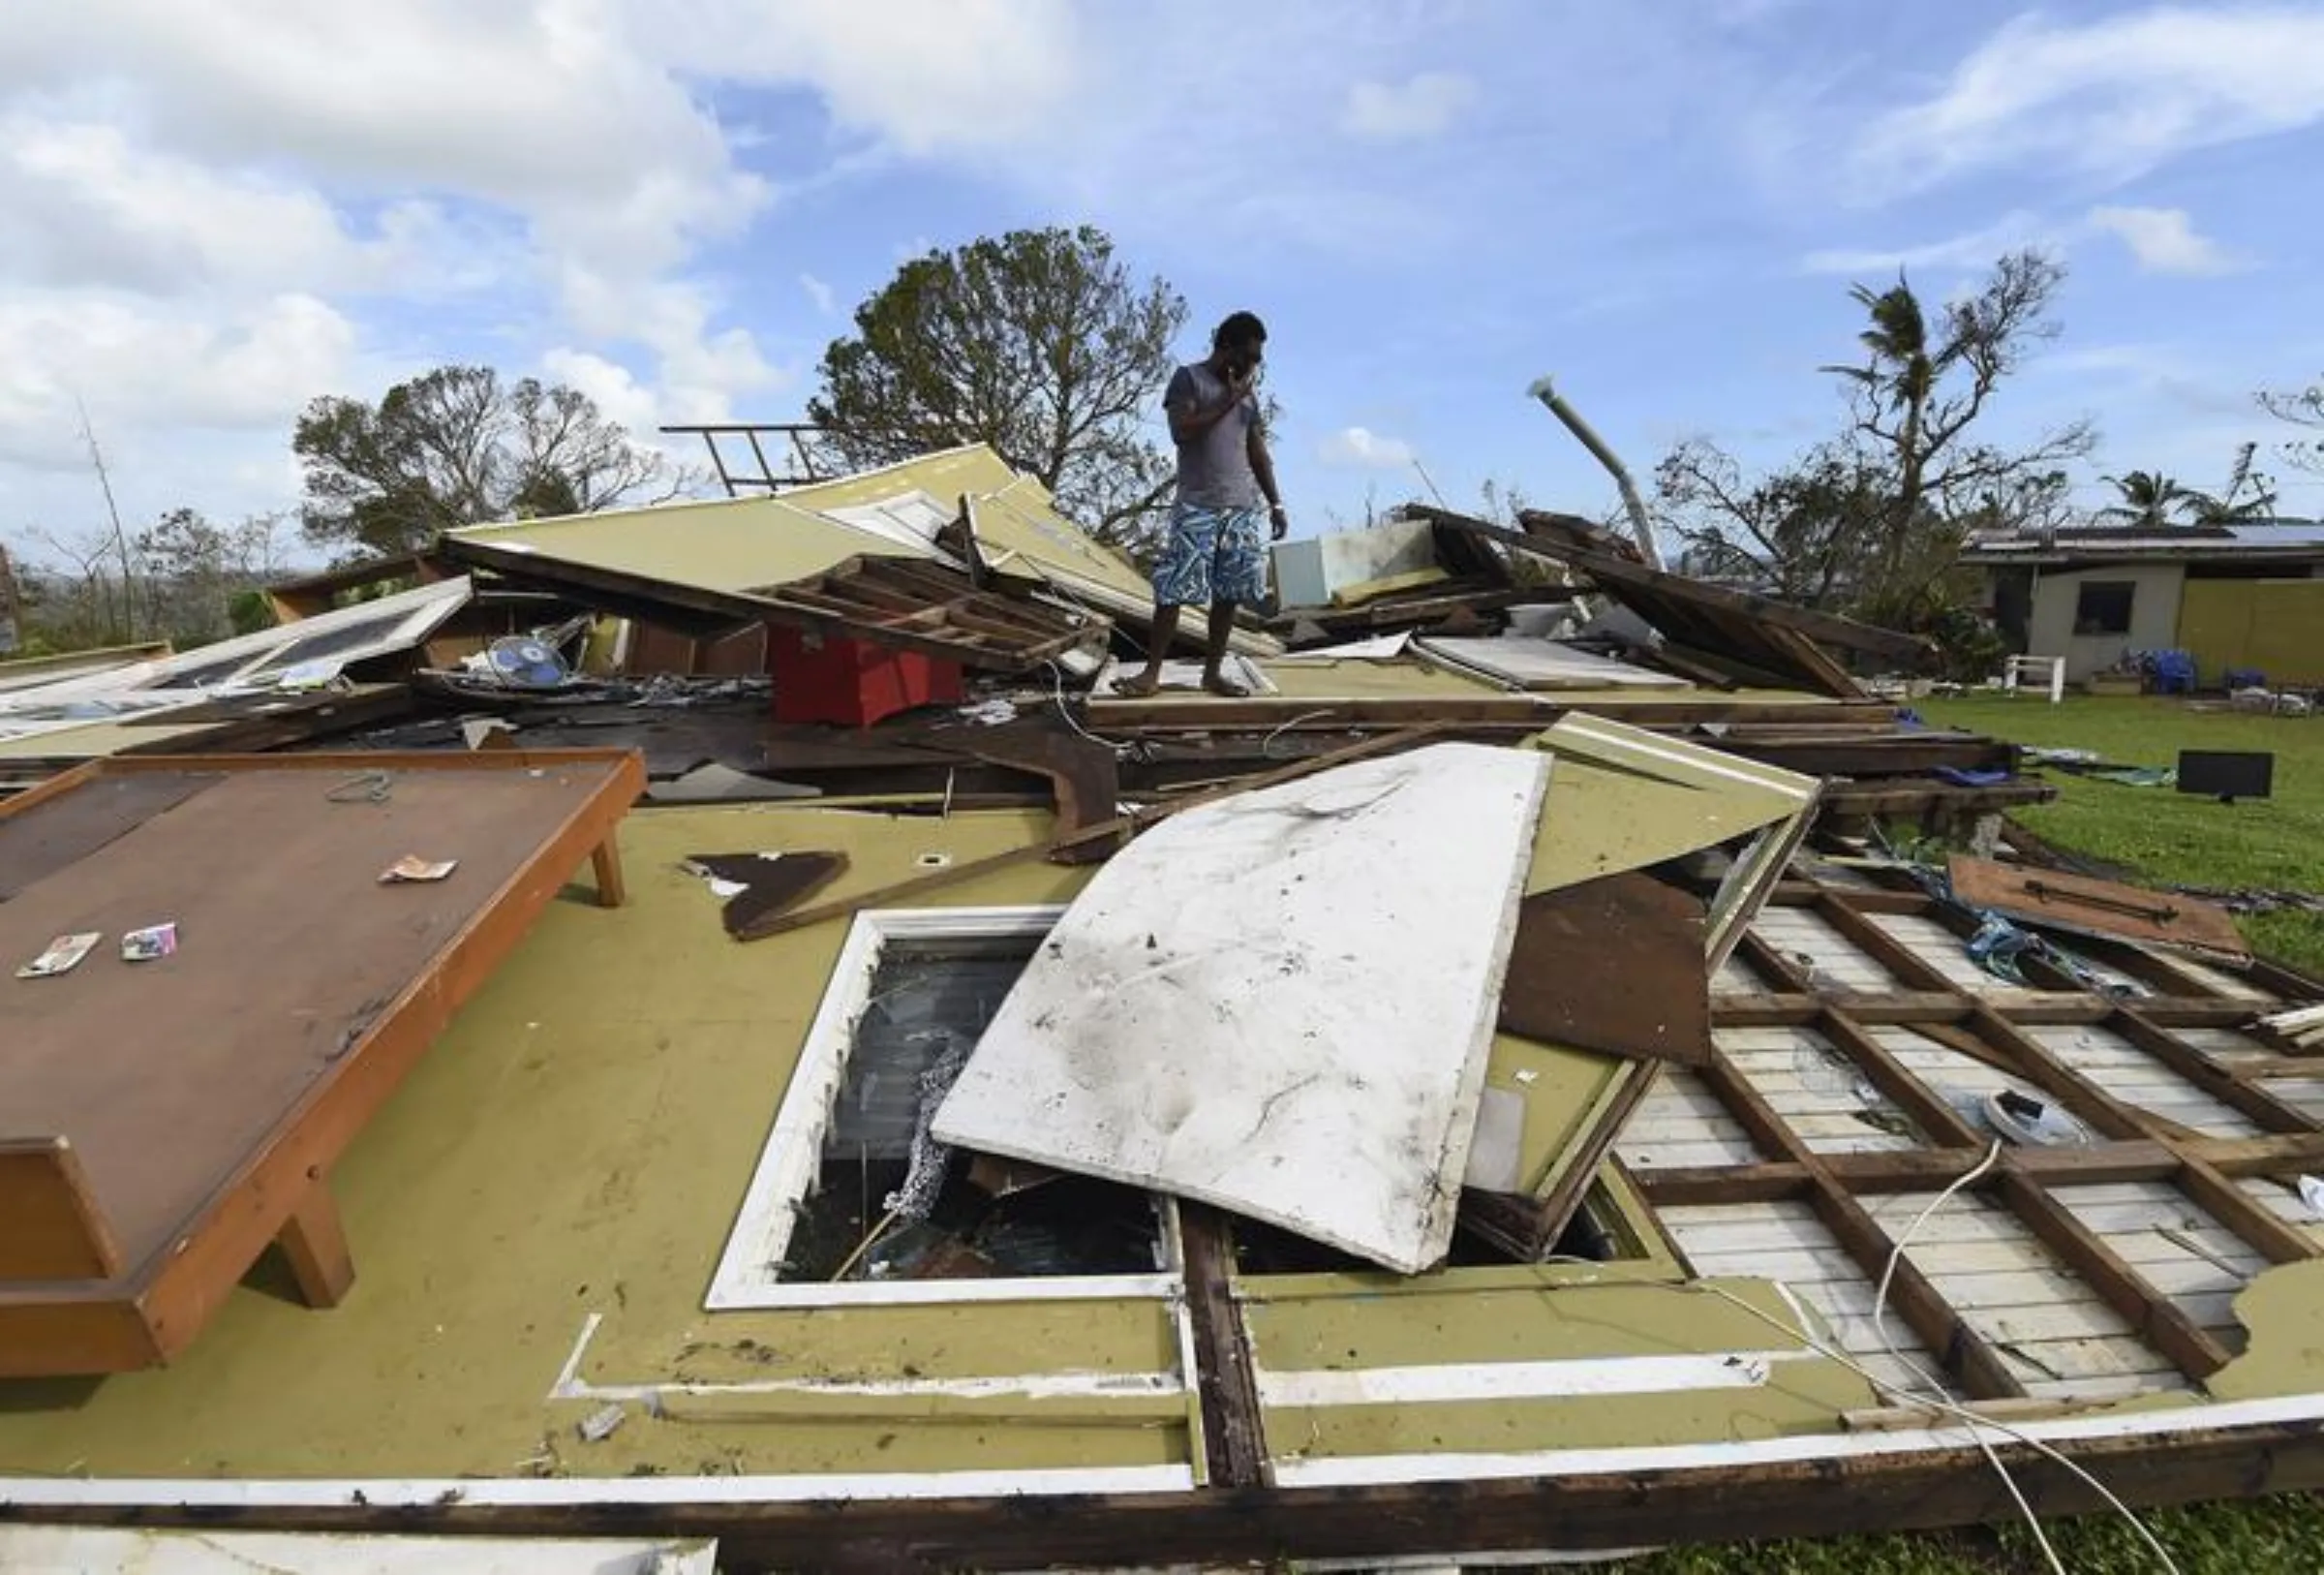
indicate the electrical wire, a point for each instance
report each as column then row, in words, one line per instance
column 1056, row 679
column 1267, row 745
column 1935, row 1398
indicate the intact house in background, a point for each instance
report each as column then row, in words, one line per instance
column 2235, row 598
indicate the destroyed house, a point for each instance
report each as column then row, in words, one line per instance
column 1476, row 1094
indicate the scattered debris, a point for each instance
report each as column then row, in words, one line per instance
column 415, row 869
column 63, row 955
column 601, row 1424
column 146, row 944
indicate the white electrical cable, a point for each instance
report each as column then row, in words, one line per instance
column 1267, row 745
column 1934, row 1390
column 1056, row 679
column 1936, row 1400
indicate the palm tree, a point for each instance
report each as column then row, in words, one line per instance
column 2150, row 499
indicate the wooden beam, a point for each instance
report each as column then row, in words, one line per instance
column 1613, row 1507
column 605, row 865
column 1609, row 570
column 2159, row 1320
column 2268, row 1112
column 1975, row 1365
column 2277, row 1239
column 1233, row 1437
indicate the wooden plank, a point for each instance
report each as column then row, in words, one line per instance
column 2082, row 905
column 2266, row 1111
column 1234, row 1443
column 2157, row 1320
column 2266, row 1231
column 1564, row 985
column 50, row 1226
column 1966, row 1354
column 1085, row 778
column 85, row 812
column 1614, row 1506
column 1612, row 571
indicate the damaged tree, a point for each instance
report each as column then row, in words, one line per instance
column 458, row 447
column 1039, row 343
column 1872, row 520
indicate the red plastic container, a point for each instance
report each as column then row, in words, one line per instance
column 833, row 679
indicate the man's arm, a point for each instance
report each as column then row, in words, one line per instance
column 1263, row 467
column 1189, row 420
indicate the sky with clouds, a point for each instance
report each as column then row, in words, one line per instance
column 213, row 210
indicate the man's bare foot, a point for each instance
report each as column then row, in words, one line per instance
column 1144, row 683
column 1224, row 687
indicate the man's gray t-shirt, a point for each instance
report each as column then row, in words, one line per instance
column 1214, row 470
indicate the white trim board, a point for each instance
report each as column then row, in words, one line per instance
column 196, row 1492
column 749, row 1276
column 85, row 1550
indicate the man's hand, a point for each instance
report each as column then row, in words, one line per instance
column 1279, row 522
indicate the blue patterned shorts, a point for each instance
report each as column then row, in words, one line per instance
column 1214, row 555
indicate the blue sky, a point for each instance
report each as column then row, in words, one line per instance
column 211, row 210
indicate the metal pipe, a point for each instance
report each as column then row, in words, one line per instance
column 1641, row 526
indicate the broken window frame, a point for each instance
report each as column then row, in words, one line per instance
column 750, row 1276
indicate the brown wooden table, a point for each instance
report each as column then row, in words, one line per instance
column 162, row 1122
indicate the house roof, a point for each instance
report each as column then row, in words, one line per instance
column 2259, row 541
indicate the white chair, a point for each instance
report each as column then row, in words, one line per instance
column 2049, row 672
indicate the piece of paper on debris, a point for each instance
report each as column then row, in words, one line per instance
column 1281, row 1003
column 62, row 956
column 412, row 868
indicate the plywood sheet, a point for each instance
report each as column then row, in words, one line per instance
column 1618, row 963
column 2084, row 906
column 1280, row 1003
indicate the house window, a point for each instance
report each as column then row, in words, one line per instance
column 2102, row 607
column 852, row 1203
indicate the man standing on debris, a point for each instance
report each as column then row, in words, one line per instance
column 1214, row 555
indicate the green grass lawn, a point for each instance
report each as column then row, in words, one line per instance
column 2164, row 835
column 2159, row 834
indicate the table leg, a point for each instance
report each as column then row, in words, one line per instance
column 607, row 862
column 316, row 1244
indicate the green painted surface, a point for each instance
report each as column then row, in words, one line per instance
column 2156, row 834
column 1549, row 1322
column 1014, row 516
column 577, row 1143
column 725, row 544
column 1602, row 819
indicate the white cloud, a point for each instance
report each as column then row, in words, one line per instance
column 2111, row 98
column 1424, row 104
column 1969, row 252
column 1364, row 448
column 818, row 292
column 2164, row 240
column 208, row 207
column 139, row 366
